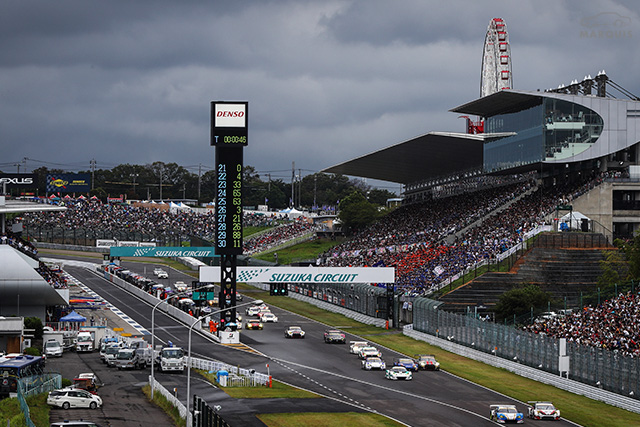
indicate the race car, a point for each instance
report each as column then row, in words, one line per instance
column 543, row 411
column 506, row 414
column 427, row 362
column 253, row 324
column 252, row 310
column 369, row 352
column 334, row 336
column 408, row 363
column 269, row 317
column 398, row 373
column 294, row 332
column 373, row 363
column 355, row 346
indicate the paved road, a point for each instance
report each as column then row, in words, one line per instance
column 431, row 399
column 124, row 404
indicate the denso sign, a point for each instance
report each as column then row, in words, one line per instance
column 230, row 115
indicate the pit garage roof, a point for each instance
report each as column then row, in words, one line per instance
column 427, row 156
column 499, row 103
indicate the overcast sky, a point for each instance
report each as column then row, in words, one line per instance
column 326, row 81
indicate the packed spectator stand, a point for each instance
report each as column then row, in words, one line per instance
column 612, row 325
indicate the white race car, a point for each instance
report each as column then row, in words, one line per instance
column 506, row 414
column 398, row 373
column 294, row 332
column 543, row 411
column 369, row 352
column 355, row 346
column 269, row 317
column 373, row 363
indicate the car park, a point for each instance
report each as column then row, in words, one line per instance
column 543, row 411
column 407, row 362
column 269, row 318
column 398, row 373
column 253, row 324
column 52, row 348
column 294, row 332
column 73, row 398
column 373, row 363
column 355, row 346
column 506, row 413
column 427, row 362
column 334, row 336
column 369, row 351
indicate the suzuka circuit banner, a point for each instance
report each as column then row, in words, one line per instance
column 304, row 274
column 69, row 183
column 161, row 251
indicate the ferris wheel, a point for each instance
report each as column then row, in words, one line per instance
column 496, row 59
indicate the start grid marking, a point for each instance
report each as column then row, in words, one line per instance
column 110, row 306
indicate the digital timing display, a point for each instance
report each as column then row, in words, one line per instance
column 229, row 123
column 228, row 200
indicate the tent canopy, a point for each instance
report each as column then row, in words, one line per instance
column 73, row 317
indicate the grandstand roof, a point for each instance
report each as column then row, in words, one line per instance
column 431, row 155
column 19, row 279
column 499, row 103
column 19, row 206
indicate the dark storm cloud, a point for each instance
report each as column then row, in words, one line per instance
column 326, row 81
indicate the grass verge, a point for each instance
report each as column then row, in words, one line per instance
column 277, row 390
column 162, row 402
column 578, row 409
column 303, row 251
column 326, row 419
column 39, row 411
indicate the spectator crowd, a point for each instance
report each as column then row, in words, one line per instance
column 612, row 325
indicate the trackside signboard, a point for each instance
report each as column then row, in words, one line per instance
column 162, row 251
column 304, row 274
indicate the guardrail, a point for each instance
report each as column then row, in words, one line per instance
column 572, row 386
column 155, row 385
column 237, row 376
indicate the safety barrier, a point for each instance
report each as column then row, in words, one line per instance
column 155, row 385
column 528, row 372
column 237, row 376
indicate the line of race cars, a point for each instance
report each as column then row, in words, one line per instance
column 402, row 368
column 508, row 413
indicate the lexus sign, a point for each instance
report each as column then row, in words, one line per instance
column 18, row 180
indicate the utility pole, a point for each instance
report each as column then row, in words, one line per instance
column 18, row 165
column 315, row 186
column 299, row 187
column 199, row 179
column 293, row 178
column 24, row 161
column 161, row 173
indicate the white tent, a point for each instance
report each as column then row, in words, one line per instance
column 294, row 213
column 574, row 220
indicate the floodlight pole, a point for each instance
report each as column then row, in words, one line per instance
column 153, row 335
column 199, row 319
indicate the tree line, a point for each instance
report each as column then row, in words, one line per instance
column 167, row 181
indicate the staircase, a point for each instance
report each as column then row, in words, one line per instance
column 556, row 268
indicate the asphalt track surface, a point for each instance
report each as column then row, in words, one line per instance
column 430, row 399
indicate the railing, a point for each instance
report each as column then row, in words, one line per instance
column 155, row 385
column 237, row 376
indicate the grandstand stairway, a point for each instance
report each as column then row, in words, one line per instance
column 562, row 265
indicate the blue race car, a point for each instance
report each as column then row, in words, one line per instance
column 406, row 362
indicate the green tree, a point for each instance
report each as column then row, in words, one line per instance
column 520, row 299
column 36, row 324
column 356, row 212
column 379, row 197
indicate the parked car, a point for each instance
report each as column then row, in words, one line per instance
column 52, row 348
column 73, row 398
